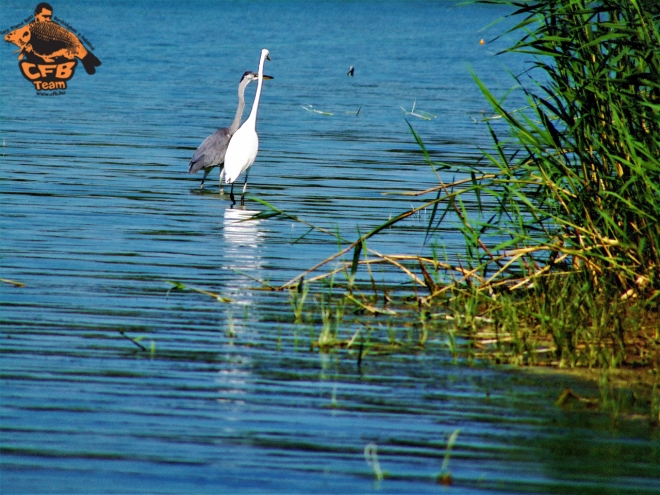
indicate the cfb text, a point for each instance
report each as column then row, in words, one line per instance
column 48, row 76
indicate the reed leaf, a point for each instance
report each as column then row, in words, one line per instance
column 588, row 159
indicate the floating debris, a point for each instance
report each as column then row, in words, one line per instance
column 12, row 282
column 310, row 108
column 419, row 113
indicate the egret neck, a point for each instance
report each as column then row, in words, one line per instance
column 255, row 106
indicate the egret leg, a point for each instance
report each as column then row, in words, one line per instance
column 244, row 189
column 206, row 172
column 231, row 195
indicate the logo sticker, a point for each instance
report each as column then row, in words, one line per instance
column 49, row 52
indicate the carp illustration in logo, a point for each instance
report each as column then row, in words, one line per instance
column 48, row 52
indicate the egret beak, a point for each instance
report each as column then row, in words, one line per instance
column 267, row 77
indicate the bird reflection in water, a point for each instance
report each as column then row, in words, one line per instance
column 241, row 255
column 242, row 237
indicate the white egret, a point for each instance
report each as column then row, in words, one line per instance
column 211, row 153
column 244, row 144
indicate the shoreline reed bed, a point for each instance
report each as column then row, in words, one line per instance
column 562, row 237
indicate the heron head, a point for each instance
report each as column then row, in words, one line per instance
column 250, row 76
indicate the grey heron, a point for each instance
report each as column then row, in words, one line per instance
column 244, row 144
column 211, row 153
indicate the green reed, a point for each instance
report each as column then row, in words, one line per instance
column 577, row 179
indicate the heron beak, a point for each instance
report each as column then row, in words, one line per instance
column 267, row 77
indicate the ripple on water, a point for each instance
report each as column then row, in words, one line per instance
column 111, row 383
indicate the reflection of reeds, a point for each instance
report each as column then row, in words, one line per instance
column 371, row 456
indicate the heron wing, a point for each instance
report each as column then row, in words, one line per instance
column 211, row 152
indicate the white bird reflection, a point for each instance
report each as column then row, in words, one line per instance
column 242, row 248
column 239, row 230
column 242, row 258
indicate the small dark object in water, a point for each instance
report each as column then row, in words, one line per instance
column 351, row 71
column 568, row 396
column 445, row 479
column 359, row 358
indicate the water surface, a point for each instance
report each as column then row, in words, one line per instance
column 98, row 214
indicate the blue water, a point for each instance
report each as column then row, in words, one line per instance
column 98, row 214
